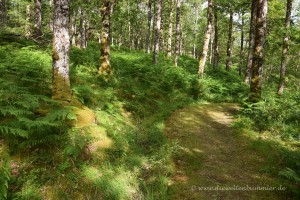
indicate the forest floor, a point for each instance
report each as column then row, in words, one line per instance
column 215, row 154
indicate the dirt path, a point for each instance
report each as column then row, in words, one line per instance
column 213, row 154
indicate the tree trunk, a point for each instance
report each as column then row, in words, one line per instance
column 81, row 29
column 285, row 47
column 73, row 29
column 51, row 16
column 206, row 39
column 177, row 33
column 27, row 25
column 157, row 31
column 105, row 67
column 211, row 46
column 242, row 44
column 258, row 56
column 38, row 18
column 60, row 53
column 120, row 37
column 195, row 31
column 149, row 26
column 251, row 41
column 161, row 33
column 3, row 13
column 170, row 30
column 216, row 41
column 229, row 43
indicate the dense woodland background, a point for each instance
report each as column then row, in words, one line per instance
column 86, row 87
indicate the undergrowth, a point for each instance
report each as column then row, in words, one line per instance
column 47, row 158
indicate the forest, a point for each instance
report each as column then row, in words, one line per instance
column 149, row 99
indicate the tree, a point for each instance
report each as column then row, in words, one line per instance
column 285, row 47
column 157, row 31
column 251, row 41
column 3, row 13
column 105, row 67
column 149, row 26
column 229, row 42
column 216, row 40
column 242, row 43
column 37, row 19
column 177, row 33
column 170, row 30
column 195, row 30
column 27, row 25
column 206, row 39
column 258, row 56
column 61, row 89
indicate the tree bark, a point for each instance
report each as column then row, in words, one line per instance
column 51, row 16
column 60, row 53
column 149, row 26
column 105, row 67
column 177, row 33
column 195, row 31
column 206, row 39
column 73, row 29
column 242, row 44
column 157, row 31
column 285, row 47
column 258, row 56
column 216, row 41
column 3, row 13
column 27, row 25
column 211, row 46
column 170, row 30
column 38, row 18
column 81, row 29
column 251, row 41
column 229, row 43
column 161, row 33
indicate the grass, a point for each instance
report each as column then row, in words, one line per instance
column 115, row 147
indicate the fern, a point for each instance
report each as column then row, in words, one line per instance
column 4, row 173
column 290, row 174
column 6, row 130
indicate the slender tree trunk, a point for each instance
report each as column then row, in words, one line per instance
column 60, row 53
column 153, row 27
column 149, row 26
column 285, row 47
column 211, row 46
column 86, row 33
column 177, row 33
column 170, row 30
column 120, row 37
column 216, row 41
column 51, row 16
column 206, row 39
column 27, row 25
column 195, row 31
column 105, row 67
column 157, row 31
column 229, row 43
column 81, row 29
column 251, row 41
column 258, row 56
column 73, row 29
column 242, row 44
column 3, row 13
column 161, row 33
column 38, row 18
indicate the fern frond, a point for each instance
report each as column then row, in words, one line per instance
column 290, row 174
column 15, row 131
column 14, row 111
